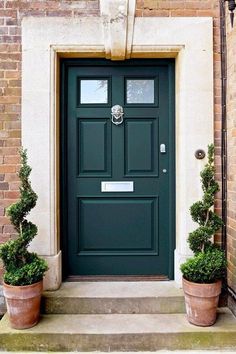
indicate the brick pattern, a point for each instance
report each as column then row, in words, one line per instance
column 231, row 124
column 177, row 8
column 11, row 13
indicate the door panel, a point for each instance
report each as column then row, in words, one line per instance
column 141, row 147
column 127, row 237
column 94, row 150
column 117, row 231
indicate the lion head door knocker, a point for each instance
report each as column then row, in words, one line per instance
column 117, row 114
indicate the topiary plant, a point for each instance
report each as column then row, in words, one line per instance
column 21, row 266
column 209, row 262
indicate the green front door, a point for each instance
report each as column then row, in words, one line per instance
column 117, row 170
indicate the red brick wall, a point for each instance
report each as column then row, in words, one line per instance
column 231, row 123
column 11, row 13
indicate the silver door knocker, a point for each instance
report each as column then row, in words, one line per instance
column 117, row 114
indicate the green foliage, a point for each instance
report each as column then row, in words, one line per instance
column 199, row 237
column 21, row 266
column 30, row 273
column 205, row 267
column 208, row 263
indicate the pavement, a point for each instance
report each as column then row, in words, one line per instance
column 157, row 352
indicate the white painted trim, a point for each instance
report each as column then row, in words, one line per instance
column 189, row 40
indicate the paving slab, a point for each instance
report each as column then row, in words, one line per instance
column 118, row 289
column 158, row 352
column 120, row 333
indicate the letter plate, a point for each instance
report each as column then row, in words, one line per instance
column 127, row 186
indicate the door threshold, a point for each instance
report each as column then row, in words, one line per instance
column 94, row 278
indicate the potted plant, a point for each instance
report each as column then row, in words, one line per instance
column 203, row 273
column 24, row 270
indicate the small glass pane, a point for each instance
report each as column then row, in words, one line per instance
column 93, row 91
column 140, row 91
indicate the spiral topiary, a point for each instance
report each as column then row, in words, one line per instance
column 209, row 262
column 21, row 266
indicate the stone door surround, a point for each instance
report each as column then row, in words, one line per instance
column 115, row 35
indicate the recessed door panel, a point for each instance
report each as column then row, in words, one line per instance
column 141, row 147
column 94, row 151
column 134, row 225
column 117, row 189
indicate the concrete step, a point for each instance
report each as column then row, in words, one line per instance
column 219, row 351
column 114, row 297
column 120, row 332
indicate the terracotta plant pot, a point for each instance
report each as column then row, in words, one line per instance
column 23, row 304
column 201, row 302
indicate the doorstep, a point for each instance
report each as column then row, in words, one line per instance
column 120, row 332
column 114, row 297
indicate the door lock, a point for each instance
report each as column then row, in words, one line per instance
column 163, row 148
